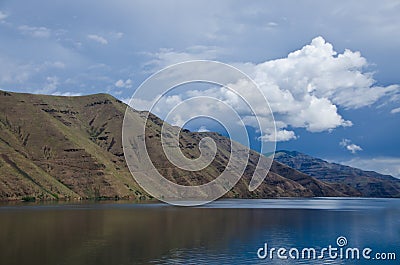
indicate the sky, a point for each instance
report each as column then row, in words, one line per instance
column 329, row 69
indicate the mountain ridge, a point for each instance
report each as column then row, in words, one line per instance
column 368, row 183
column 58, row 147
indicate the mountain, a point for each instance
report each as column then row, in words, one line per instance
column 368, row 183
column 57, row 147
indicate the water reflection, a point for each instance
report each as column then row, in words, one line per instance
column 226, row 232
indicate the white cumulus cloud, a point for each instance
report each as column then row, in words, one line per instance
column 98, row 39
column 280, row 136
column 394, row 111
column 123, row 84
column 353, row 148
column 203, row 128
column 306, row 89
column 37, row 32
column 3, row 16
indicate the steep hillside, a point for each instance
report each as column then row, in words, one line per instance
column 62, row 147
column 368, row 183
column 54, row 147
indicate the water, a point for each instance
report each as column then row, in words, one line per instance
column 224, row 232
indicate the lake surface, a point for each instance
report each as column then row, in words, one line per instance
column 223, row 232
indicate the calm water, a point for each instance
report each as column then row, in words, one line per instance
column 224, row 232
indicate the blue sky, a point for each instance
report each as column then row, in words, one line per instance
column 330, row 68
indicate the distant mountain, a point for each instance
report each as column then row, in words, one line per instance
column 54, row 147
column 368, row 183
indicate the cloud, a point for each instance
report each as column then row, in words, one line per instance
column 98, row 39
column 203, row 129
column 67, row 94
column 305, row 90
column 353, row 148
column 272, row 24
column 280, row 136
column 165, row 57
column 307, row 86
column 16, row 72
column 3, row 16
column 58, row 64
column 50, row 86
column 118, row 35
column 37, row 32
column 317, row 70
column 12, row 72
column 123, row 84
column 394, row 111
column 383, row 165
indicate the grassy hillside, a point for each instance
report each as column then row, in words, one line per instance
column 55, row 147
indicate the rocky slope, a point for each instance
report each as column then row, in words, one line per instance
column 54, row 147
column 367, row 183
